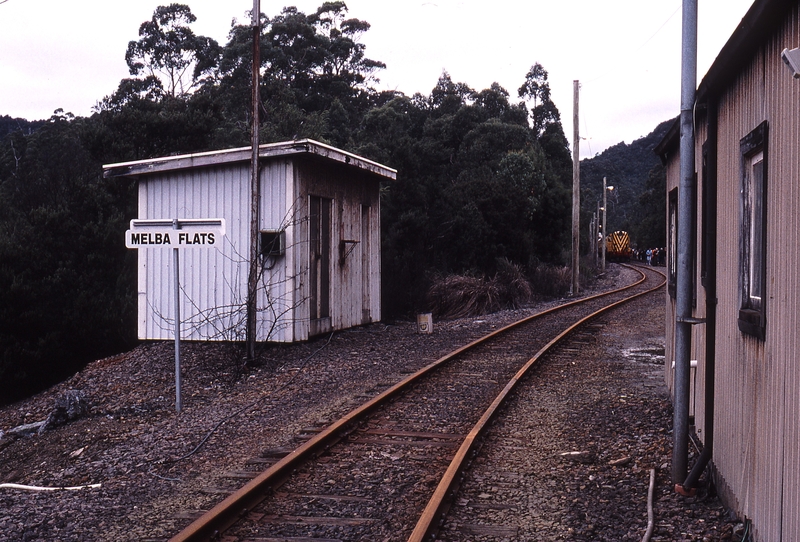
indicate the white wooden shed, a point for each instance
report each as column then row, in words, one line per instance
column 319, row 242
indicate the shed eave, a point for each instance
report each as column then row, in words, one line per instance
column 759, row 21
column 243, row 154
column 669, row 142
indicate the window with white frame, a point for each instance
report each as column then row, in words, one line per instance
column 753, row 232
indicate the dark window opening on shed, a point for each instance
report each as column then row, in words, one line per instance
column 753, row 233
column 273, row 243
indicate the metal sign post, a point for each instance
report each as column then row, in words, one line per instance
column 177, row 327
column 176, row 233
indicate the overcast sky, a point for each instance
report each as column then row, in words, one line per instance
column 625, row 53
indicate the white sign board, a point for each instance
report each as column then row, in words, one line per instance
column 177, row 233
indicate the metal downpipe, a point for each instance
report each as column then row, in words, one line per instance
column 710, row 235
column 686, row 212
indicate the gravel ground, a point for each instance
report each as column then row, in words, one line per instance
column 156, row 469
column 582, row 473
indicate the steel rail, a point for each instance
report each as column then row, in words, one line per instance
column 429, row 521
column 213, row 523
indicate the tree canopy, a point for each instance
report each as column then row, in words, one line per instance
column 169, row 53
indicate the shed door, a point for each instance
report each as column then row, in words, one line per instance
column 319, row 262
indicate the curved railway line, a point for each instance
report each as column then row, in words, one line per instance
column 390, row 468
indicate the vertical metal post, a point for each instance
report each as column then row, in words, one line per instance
column 597, row 230
column 686, row 212
column 252, row 278
column 177, row 293
column 605, row 233
column 593, row 239
column 576, row 191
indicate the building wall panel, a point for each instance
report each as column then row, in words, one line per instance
column 350, row 192
column 739, row 357
column 210, row 278
column 786, row 258
column 276, row 300
column 790, row 143
column 756, row 435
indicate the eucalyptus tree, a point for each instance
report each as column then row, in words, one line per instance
column 479, row 183
column 536, row 89
column 169, row 51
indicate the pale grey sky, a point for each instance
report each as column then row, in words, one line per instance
column 625, row 53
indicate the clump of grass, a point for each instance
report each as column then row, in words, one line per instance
column 515, row 288
column 459, row 296
column 551, row 281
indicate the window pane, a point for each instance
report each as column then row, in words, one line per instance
column 757, row 229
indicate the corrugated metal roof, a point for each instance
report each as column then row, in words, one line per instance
column 242, row 154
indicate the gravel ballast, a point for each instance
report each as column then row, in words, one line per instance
column 157, row 469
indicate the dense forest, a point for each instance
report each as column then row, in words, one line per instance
column 483, row 186
column 637, row 204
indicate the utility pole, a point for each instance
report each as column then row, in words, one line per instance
column 576, row 192
column 596, row 235
column 605, row 233
column 252, row 278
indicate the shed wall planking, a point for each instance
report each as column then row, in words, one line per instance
column 750, row 410
column 698, row 354
column 210, row 278
column 789, row 105
column 756, row 434
column 355, row 202
column 697, row 351
column 276, row 300
column 673, row 180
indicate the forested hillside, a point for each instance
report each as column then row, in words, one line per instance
column 483, row 184
column 637, row 204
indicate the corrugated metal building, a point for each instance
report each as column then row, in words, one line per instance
column 747, row 268
column 319, row 222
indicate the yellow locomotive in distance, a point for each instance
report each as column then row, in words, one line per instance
column 618, row 246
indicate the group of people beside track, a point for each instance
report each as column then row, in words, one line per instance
column 650, row 256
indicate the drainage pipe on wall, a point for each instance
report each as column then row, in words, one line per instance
column 686, row 212
column 710, row 251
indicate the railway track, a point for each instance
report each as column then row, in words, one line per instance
column 389, row 469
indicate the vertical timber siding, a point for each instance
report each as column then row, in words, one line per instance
column 354, row 252
column 276, row 301
column 787, row 103
column 751, row 421
column 213, row 281
column 757, row 389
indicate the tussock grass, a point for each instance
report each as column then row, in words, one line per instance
column 459, row 296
